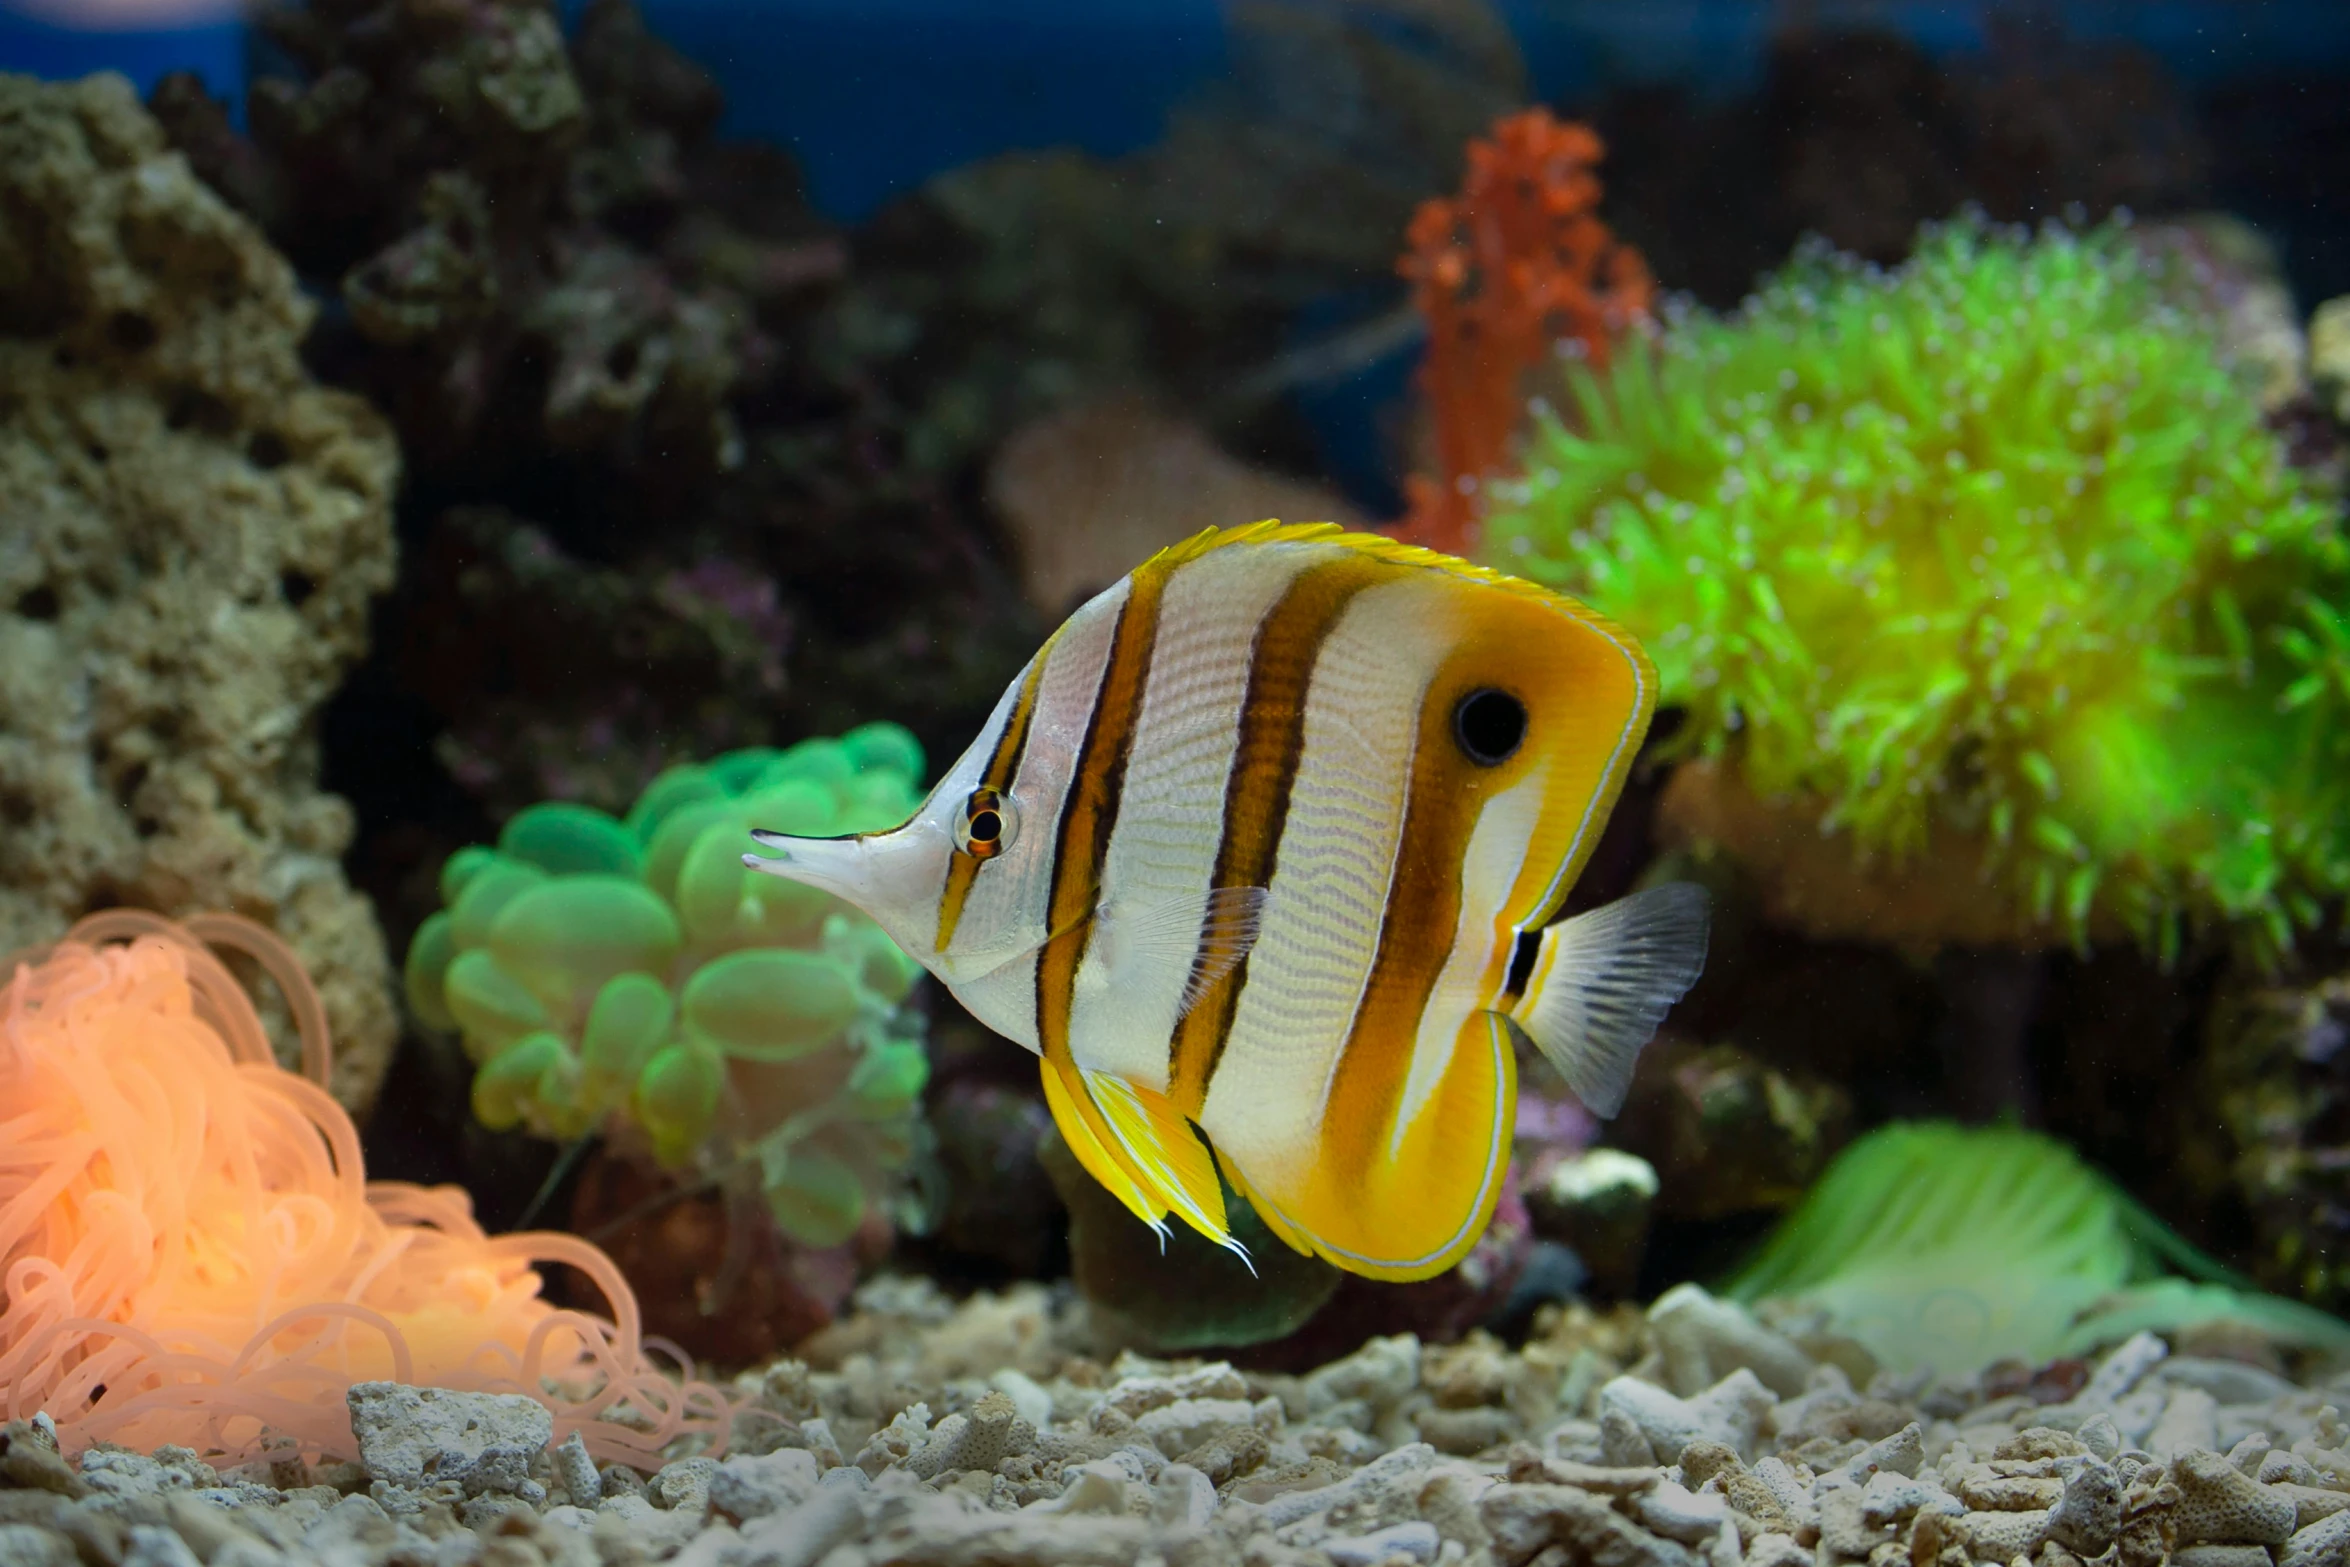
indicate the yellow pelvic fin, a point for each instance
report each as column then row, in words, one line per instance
column 1166, row 1154
column 1075, row 1113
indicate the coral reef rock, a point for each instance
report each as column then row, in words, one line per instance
column 1598, row 1203
column 566, row 680
column 1728, row 1132
column 2266, row 1142
column 2329, row 356
column 1090, row 491
column 194, row 531
column 969, row 1434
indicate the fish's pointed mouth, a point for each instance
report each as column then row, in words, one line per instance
column 837, row 864
column 779, row 842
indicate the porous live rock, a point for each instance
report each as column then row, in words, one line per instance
column 1730, row 1412
column 748, row 1486
column 2220, row 1503
column 2189, row 1421
column 29, row 1458
column 414, row 1436
column 194, row 530
column 577, row 1470
column 2325, row 1543
column 2087, row 1512
column 1703, row 1340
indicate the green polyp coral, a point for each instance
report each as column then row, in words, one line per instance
column 1989, row 548
column 1950, row 1247
column 629, row 975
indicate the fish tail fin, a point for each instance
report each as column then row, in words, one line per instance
column 1088, row 1137
column 1602, row 981
column 1165, row 1153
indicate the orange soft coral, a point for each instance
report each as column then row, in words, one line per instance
column 1512, row 269
column 189, row 1251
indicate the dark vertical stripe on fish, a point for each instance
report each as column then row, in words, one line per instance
column 1256, row 791
column 1089, row 815
column 1002, row 767
column 1416, row 938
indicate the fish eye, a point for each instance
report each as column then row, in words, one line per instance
column 1490, row 726
column 986, row 825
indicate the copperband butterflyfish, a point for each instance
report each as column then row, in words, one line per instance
column 1264, row 853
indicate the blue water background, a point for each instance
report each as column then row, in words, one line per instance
column 875, row 95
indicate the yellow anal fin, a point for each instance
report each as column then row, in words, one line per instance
column 1087, row 1135
column 1392, row 1201
column 1166, row 1154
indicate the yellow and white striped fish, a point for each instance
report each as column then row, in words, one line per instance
column 1267, row 841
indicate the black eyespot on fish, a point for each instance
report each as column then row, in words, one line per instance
column 1490, row 726
column 1522, row 955
column 985, row 825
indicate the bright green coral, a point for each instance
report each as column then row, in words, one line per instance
column 632, row 974
column 1993, row 545
column 1951, row 1247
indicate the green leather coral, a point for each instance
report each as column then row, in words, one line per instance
column 1991, row 549
column 630, row 974
column 1951, row 1247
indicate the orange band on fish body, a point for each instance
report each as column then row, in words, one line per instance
column 1384, row 1225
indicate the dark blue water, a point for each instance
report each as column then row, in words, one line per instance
column 875, row 95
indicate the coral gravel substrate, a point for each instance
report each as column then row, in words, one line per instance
column 932, row 1433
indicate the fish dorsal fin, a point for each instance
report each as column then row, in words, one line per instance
column 1206, row 936
column 1378, row 546
column 1166, row 1153
column 1602, row 981
column 1082, row 1130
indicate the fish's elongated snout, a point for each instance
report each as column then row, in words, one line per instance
column 892, row 876
column 836, row 865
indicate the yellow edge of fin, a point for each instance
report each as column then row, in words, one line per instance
column 1480, row 1219
column 1167, row 1154
column 1301, row 1240
column 1062, row 1098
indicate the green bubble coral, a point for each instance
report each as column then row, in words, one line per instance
column 1985, row 565
column 630, row 975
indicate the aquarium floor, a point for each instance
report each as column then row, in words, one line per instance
column 993, row 1431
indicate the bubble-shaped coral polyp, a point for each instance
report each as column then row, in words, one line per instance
column 1985, row 565
column 631, row 975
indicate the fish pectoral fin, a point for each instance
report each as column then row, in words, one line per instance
column 1206, row 936
column 1602, row 981
column 1082, row 1128
column 1165, row 1152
